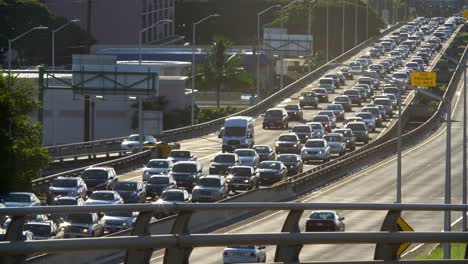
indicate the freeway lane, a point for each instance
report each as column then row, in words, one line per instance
column 423, row 180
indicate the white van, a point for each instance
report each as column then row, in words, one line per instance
column 238, row 132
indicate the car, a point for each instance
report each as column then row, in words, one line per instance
column 210, row 188
column 104, row 197
column 338, row 110
column 177, row 155
column 337, row 143
column 186, row 173
column 157, row 166
column 352, row 119
column 294, row 111
column 392, row 90
column 324, row 120
column 315, row 149
column 67, row 186
column 322, row 94
column 383, row 112
column 356, row 66
column 248, row 157
column 44, row 230
column 304, row 132
column 244, row 254
column 329, row 84
column 375, row 112
column 287, row 143
column 222, row 162
column 65, row 200
column 242, row 178
column 82, row 225
column 132, row 142
column 156, row 184
column 386, row 103
column 308, row 99
column 336, row 78
column 117, row 221
column 374, row 53
column 292, row 162
column 354, row 96
column 99, row 178
column 393, row 99
column 348, row 136
column 412, row 66
column 317, row 129
column 377, row 68
column 331, row 116
column 346, row 71
column 401, row 77
column 275, row 117
column 324, row 221
column 341, row 77
column 21, row 199
column 373, row 83
column 29, row 218
column 25, row 235
column 364, row 63
column 131, row 191
column 270, row 172
column 344, row 101
column 265, row 152
column 368, row 119
column 362, row 92
column 169, row 197
column 359, row 131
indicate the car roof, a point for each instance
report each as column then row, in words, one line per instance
column 333, row 134
column 104, row 191
column 28, row 193
column 242, row 167
column 67, row 178
column 174, row 190
column 193, row 161
column 98, row 168
column 212, row 177
column 68, row 198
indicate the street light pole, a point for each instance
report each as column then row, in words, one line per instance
column 342, row 26
column 258, row 47
column 53, row 38
column 355, row 22
column 398, row 194
column 282, row 27
column 326, row 48
column 162, row 21
column 367, row 19
column 192, row 110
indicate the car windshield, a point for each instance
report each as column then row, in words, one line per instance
column 316, row 126
column 274, row 113
column 269, row 165
column 102, row 196
column 322, row 216
column 307, row 94
column 158, row 180
column 400, row 76
column 301, row 129
column 326, row 81
column 292, row 107
column 94, row 174
column 341, row 99
column 65, row 183
column 172, row 196
column 126, row 186
column 332, row 138
column 66, row 202
column 334, row 107
column 346, row 133
column 183, row 167
column 80, row 218
column 180, row 154
column 351, row 92
column 245, row 153
column 262, row 149
column 287, row 138
column 241, row 171
column 209, row 182
column 382, row 102
column 321, row 91
column 287, row 158
column 38, row 230
column 234, row 131
column 364, row 115
column 18, row 198
column 327, row 113
column 356, row 127
column 314, row 144
column 120, row 214
column 320, row 119
column 158, row 164
column 225, row 158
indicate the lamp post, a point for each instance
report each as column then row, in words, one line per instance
column 355, row 22
column 53, row 38
column 258, row 47
column 367, row 19
column 193, row 65
column 143, row 30
column 326, row 45
column 342, row 26
column 282, row 27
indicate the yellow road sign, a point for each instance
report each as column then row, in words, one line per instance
column 403, row 226
column 465, row 14
column 425, row 79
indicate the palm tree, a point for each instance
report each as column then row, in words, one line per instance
column 217, row 70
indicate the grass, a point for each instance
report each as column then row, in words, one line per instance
column 458, row 252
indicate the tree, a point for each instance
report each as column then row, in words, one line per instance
column 217, row 70
column 23, row 155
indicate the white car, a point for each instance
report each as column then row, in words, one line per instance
column 315, row 149
column 244, row 254
column 157, row 166
column 104, row 197
column 248, row 157
column 132, row 143
column 317, row 129
column 21, row 199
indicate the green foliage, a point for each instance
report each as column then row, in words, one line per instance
column 211, row 113
column 457, row 252
column 23, row 155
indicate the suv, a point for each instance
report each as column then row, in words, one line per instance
column 294, row 111
column 275, row 117
column 156, row 167
column 210, row 188
column 348, row 136
column 329, row 84
column 131, row 191
column 359, row 131
column 99, row 178
column 242, row 178
column 315, row 149
column 186, row 173
column 308, row 99
column 221, row 163
column 292, row 162
column 82, row 225
column 67, row 186
column 248, row 157
column 288, row 143
column 304, row 132
column 353, row 95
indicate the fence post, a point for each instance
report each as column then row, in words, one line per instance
column 388, row 251
column 141, row 228
column 290, row 253
column 14, row 233
column 179, row 254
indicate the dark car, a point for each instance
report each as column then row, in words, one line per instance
column 156, row 184
column 292, row 162
column 170, row 197
column 221, row 163
column 82, row 225
column 338, row 110
column 374, row 53
column 344, row 101
column 288, row 143
column 271, row 172
column 346, row 71
column 275, row 117
column 242, row 178
column 308, row 99
column 322, row 94
column 324, row 120
column 265, row 152
column 131, row 191
column 304, row 132
column 186, row 173
column 99, row 178
column 359, row 131
column 354, row 96
column 323, row 221
column 294, row 112
column 66, row 186
column 349, row 137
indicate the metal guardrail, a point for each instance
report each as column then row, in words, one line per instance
column 179, row 243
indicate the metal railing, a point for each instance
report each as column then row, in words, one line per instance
column 179, row 243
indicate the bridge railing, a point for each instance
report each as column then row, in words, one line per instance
column 179, row 243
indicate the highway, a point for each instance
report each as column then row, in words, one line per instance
column 423, row 181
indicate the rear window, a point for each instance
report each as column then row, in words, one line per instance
column 332, row 138
column 320, row 90
column 287, row 138
column 321, row 119
column 292, row 107
column 326, row 81
column 287, row 158
column 351, row 92
column 322, row 216
column 356, row 126
column 275, row 113
column 315, row 144
column 382, row 102
column 183, row 167
column 301, row 129
column 364, row 115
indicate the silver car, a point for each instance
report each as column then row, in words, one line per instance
column 104, row 197
column 248, row 157
column 331, row 116
column 210, row 188
column 119, row 221
column 315, row 149
column 317, row 129
column 21, row 199
column 244, row 254
column 337, row 143
column 181, row 155
column 368, row 119
column 157, row 166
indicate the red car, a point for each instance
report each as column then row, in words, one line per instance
column 323, row 221
column 325, row 121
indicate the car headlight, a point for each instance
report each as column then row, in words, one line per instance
column 295, row 145
column 85, row 230
column 228, row 180
column 246, row 181
column 347, row 141
column 301, row 98
column 307, row 136
column 124, row 223
column 277, row 144
column 321, row 151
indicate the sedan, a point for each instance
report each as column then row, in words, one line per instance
column 349, row 137
column 324, row 120
column 344, row 101
column 323, row 221
column 248, row 157
column 288, row 143
column 158, row 184
column 368, row 119
column 322, row 94
column 271, row 172
column 131, row 191
column 104, row 197
column 338, row 110
column 292, row 162
column 181, row 155
column 316, row 149
column 337, row 143
column 244, row 254
column 265, row 152
column 294, row 111
column 157, row 166
column 317, row 129
column 21, row 199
